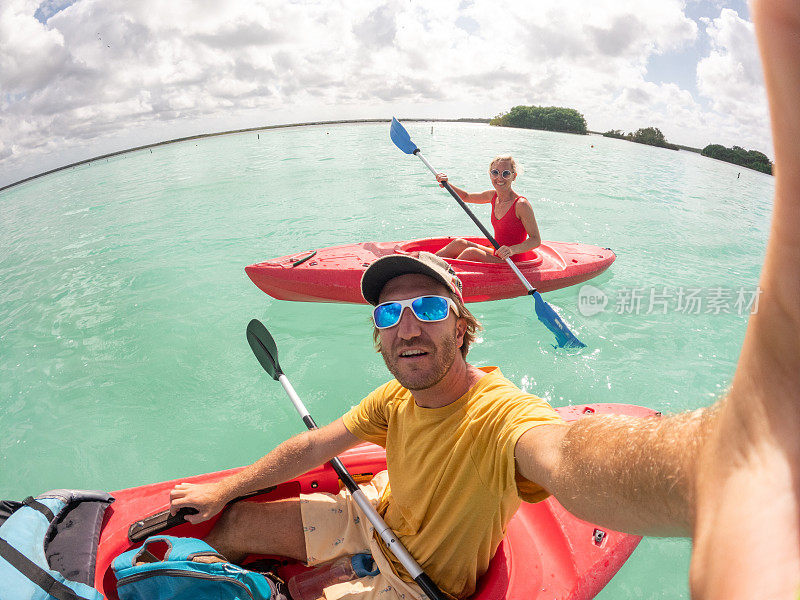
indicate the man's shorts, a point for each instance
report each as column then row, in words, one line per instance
column 334, row 526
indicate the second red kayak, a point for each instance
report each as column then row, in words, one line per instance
column 333, row 274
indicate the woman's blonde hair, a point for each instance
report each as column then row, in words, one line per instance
column 507, row 157
column 473, row 326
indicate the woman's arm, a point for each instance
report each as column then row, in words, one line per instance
column 479, row 198
column 524, row 212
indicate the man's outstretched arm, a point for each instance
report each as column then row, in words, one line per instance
column 627, row 473
column 747, row 529
column 729, row 475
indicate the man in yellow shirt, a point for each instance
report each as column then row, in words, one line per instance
column 727, row 475
column 450, row 431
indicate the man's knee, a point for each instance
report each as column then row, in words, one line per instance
column 232, row 519
column 260, row 528
column 226, row 537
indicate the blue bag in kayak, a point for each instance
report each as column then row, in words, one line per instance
column 173, row 568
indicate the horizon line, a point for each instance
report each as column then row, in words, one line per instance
column 230, row 132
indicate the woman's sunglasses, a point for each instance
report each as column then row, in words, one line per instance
column 429, row 309
column 505, row 174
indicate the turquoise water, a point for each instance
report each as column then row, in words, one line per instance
column 123, row 297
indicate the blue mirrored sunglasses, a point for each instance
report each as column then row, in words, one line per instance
column 426, row 308
column 505, row 174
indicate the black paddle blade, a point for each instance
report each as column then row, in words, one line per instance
column 264, row 348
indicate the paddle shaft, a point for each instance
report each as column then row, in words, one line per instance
column 397, row 548
column 545, row 313
column 477, row 222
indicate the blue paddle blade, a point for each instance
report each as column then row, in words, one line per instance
column 564, row 337
column 401, row 138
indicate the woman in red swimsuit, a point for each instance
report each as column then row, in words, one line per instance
column 514, row 223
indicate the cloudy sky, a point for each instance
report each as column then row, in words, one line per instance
column 80, row 78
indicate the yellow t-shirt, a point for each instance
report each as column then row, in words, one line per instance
column 453, row 485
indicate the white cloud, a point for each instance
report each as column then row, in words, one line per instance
column 5, row 151
column 103, row 75
column 731, row 78
column 31, row 55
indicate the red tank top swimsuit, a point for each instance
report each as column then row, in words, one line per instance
column 509, row 230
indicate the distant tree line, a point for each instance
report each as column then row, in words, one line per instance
column 651, row 136
column 752, row 159
column 549, row 118
column 569, row 120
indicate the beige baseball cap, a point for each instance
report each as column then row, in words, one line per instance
column 388, row 267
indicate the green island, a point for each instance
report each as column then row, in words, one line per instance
column 569, row 120
column 651, row 136
column 548, row 118
column 751, row 159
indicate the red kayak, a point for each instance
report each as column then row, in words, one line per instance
column 547, row 553
column 333, row 274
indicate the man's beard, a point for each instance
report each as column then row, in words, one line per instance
column 443, row 355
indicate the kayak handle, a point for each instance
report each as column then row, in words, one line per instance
column 154, row 524
column 304, row 259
